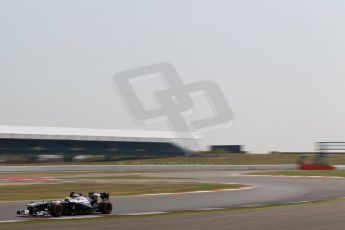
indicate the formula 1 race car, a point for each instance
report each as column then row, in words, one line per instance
column 75, row 204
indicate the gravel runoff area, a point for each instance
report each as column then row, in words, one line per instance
column 307, row 173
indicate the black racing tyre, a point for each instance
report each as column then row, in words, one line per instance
column 56, row 210
column 105, row 207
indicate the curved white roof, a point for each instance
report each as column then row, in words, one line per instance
column 59, row 133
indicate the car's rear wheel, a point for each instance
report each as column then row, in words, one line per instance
column 106, row 207
column 57, row 210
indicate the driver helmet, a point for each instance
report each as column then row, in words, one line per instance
column 75, row 194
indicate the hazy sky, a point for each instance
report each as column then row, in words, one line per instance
column 281, row 64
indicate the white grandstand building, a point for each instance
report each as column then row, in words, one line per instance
column 76, row 141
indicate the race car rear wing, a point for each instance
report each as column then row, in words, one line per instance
column 103, row 195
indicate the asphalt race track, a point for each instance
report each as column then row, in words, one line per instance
column 266, row 190
column 325, row 216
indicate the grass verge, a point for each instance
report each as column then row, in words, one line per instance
column 235, row 159
column 223, row 159
column 81, row 175
column 218, row 159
